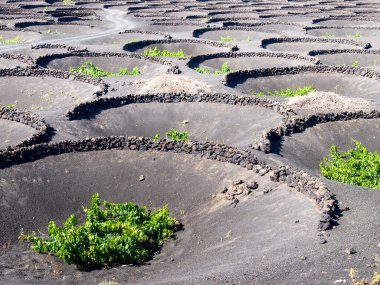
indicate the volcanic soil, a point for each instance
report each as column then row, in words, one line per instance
column 246, row 187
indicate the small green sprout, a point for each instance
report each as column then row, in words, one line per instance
column 328, row 35
column 165, row 53
column 357, row 35
column 175, row 135
column 55, row 32
column 223, row 70
column 13, row 41
column 156, row 138
column 289, row 92
column 68, row 2
column 88, row 68
column 355, row 64
column 227, row 39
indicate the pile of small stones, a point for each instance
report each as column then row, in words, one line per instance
column 238, row 189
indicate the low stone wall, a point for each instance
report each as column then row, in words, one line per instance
column 335, row 51
column 23, row 58
column 200, row 58
column 38, row 72
column 50, row 22
column 345, row 18
column 165, row 35
column 296, row 179
column 198, row 32
column 269, row 41
column 29, row 119
column 87, row 108
column 56, row 46
column 229, row 78
column 340, row 27
column 298, row 125
column 173, row 68
column 144, row 43
column 258, row 24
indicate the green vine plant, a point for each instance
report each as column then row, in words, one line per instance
column 328, row 35
column 10, row 106
column 173, row 135
column 12, row 41
column 55, row 32
column 88, row 68
column 111, row 234
column 357, row 35
column 355, row 64
column 306, row 90
column 223, row 70
column 156, row 138
column 227, row 39
column 68, row 2
column 356, row 166
column 165, row 53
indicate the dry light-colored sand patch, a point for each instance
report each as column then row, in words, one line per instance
column 172, row 83
column 325, row 102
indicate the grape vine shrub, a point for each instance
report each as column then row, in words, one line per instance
column 356, row 166
column 111, row 234
column 357, row 35
column 12, row 41
column 223, row 70
column 88, row 68
column 306, row 90
column 166, row 53
column 227, row 39
column 174, row 135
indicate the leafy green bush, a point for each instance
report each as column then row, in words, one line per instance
column 125, row 71
column 227, row 39
column 156, row 52
column 223, row 70
column 13, row 41
column 54, row 32
column 68, row 2
column 289, row 92
column 355, row 64
column 357, row 35
column 356, row 166
column 113, row 234
column 88, row 68
column 328, row 35
column 175, row 135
